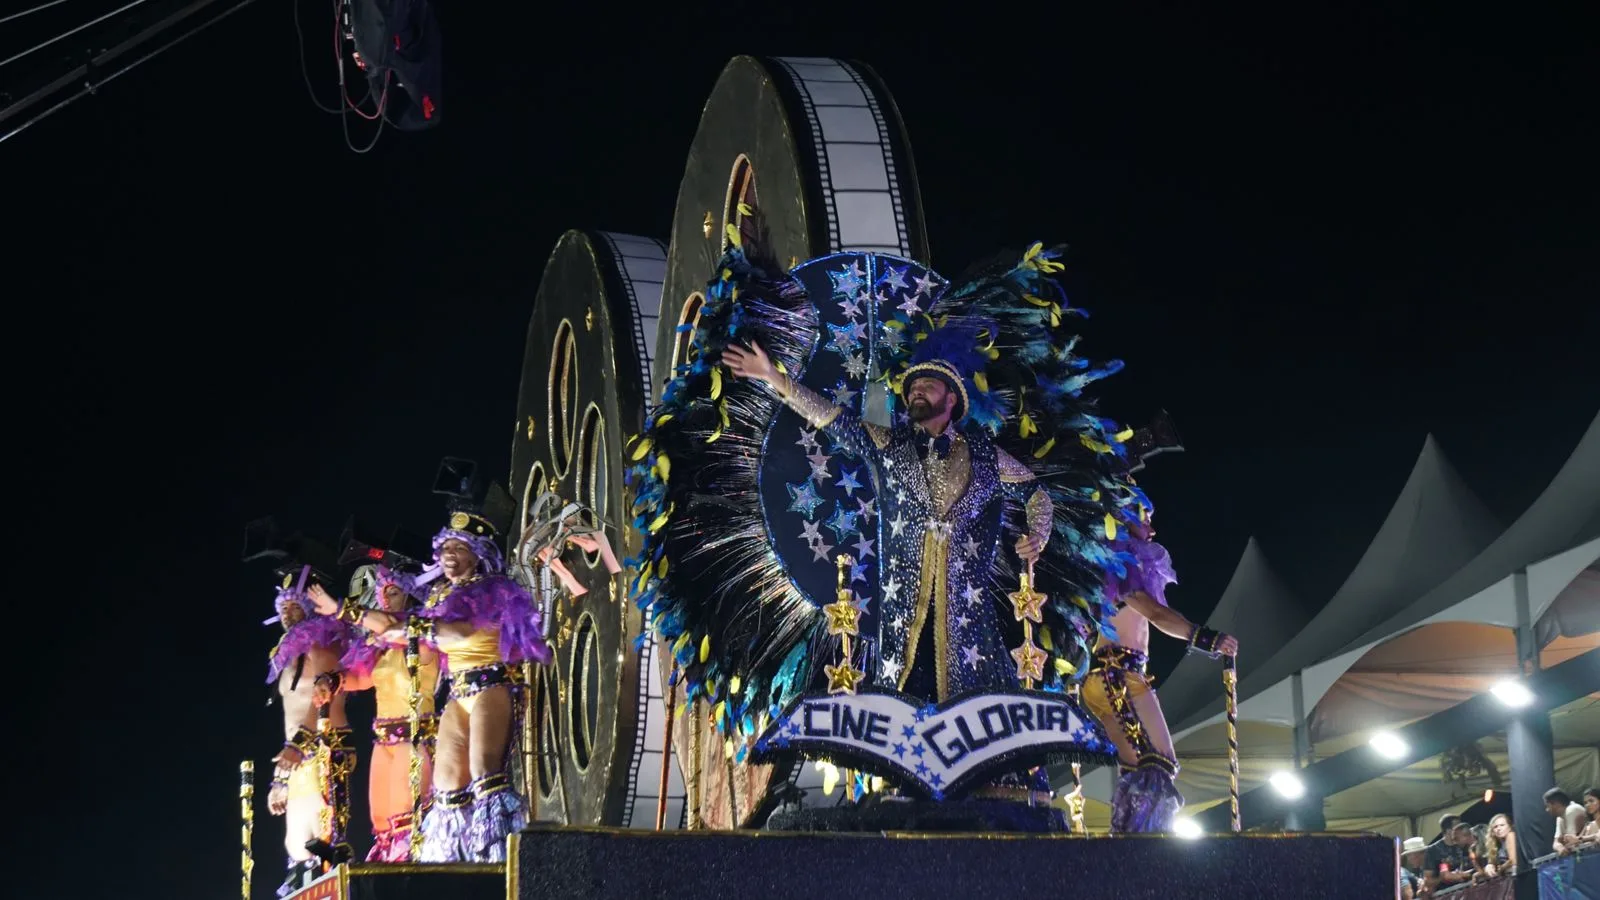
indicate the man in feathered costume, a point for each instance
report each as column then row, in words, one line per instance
column 997, row 451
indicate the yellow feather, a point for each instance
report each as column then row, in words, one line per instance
column 1026, row 427
column 1042, row 452
column 733, row 685
column 661, row 520
column 1123, row 435
column 1111, row 527
column 981, row 380
column 664, row 420
column 1063, row 667
column 680, row 643
column 663, row 467
column 733, row 234
column 714, row 435
column 716, row 383
column 661, row 568
column 705, row 648
column 719, row 711
column 643, row 448
column 745, row 210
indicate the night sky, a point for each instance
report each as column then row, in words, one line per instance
column 1314, row 242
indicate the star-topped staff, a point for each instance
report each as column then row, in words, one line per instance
column 843, row 621
column 1028, row 605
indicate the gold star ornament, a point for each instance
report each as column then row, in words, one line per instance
column 1030, row 661
column 843, row 678
column 842, row 617
column 1028, row 604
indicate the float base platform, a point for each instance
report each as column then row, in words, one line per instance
column 601, row 863
column 442, row 881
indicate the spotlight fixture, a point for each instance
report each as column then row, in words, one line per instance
column 1389, row 745
column 1512, row 693
column 1287, row 784
column 1187, row 828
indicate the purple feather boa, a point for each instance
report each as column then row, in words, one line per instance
column 496, row 601
column 312, row 632
column 362, row 655
column 1150, row 573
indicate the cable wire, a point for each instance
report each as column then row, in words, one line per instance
column 90, row 88
column 62, row 37
column 28, row 12
column 300, row 44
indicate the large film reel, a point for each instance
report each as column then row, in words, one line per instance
column 585, row 390
column 818, row 145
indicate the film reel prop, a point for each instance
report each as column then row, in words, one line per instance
column 585, row 390
column 818, row 145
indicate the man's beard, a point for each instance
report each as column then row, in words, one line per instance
column 920, row 411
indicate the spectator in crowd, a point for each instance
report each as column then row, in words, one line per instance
column 1448, row 862
column 1589, row 837
column 1411, row 862
column 1502, row 856
column 1570, row 820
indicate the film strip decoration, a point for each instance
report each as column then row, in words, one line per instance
column 855, row 155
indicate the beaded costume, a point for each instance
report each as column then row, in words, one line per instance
column 930, row 518
column 319, row 784
column 382, row 664
column 471, row 824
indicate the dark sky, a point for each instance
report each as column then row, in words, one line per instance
column 1314, row 241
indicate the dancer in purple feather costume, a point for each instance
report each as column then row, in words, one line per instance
column 485, row 626
column 1118, row 693
column 315, row 759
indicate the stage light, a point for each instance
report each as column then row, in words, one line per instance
column 1488, row 796
column 1512, row 693
column 1389, row 745
column 1187, row 829
column 1287, row 784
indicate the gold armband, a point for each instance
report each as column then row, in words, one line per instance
column 817, row 410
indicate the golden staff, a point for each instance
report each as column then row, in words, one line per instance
column 1028, row 606
column 695, row 723
column 843, row 621
column 1230, row 682
column 666, row 751
column 530, row 775
column 414, row 671
column 247, row 817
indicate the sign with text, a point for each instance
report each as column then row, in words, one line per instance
column 936, row 749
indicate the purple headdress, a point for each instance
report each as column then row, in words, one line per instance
column 365, row 648
column 1146, row 567
column 476, row 532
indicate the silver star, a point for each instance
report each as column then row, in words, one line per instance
column 812, row 533
column 898, row 623
column 808, row 440
column 891, row 668
column 896, row 279
column 897, row 524
column 855, row 365
column 909, row 306
column 961, row 621
column 819, row 466
column 970, row 548
column 819, row 550
column 957, row 566
column 891, row 588
column 970, row 655
column 868, row 510
column 925, row 283
column 863, row 547
column 972, row 594
column 843, row 395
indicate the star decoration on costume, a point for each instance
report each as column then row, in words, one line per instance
column 973, row 594
column 819, row 466
column 863, row 546
column 892, row 338
column 843, row 617
column 894, row 279
column 907, row 732
column 891, row 670
column 843, row 678
column 850, row 306
column 897, row 524
column 891, row 589
column 849, row 481
column 922, row 767
column 855, row 365
column 970, row 655
column 858, row 572
column 925, row 283
column 867, row 509
column 812, row 532
column 808, row 440
column 843, row 394
column 970, row 548
column 909, row 306
column 849, row 281
column 1028, row 604
column 1030, row 661
column 803, row 497
column 899, row 750
column 961, row 621
column 845, row 338
column 819, row 550
column 843, row 522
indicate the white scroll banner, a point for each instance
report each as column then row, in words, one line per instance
column 937, row 749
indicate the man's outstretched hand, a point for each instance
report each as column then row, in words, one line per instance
column 749, row 362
